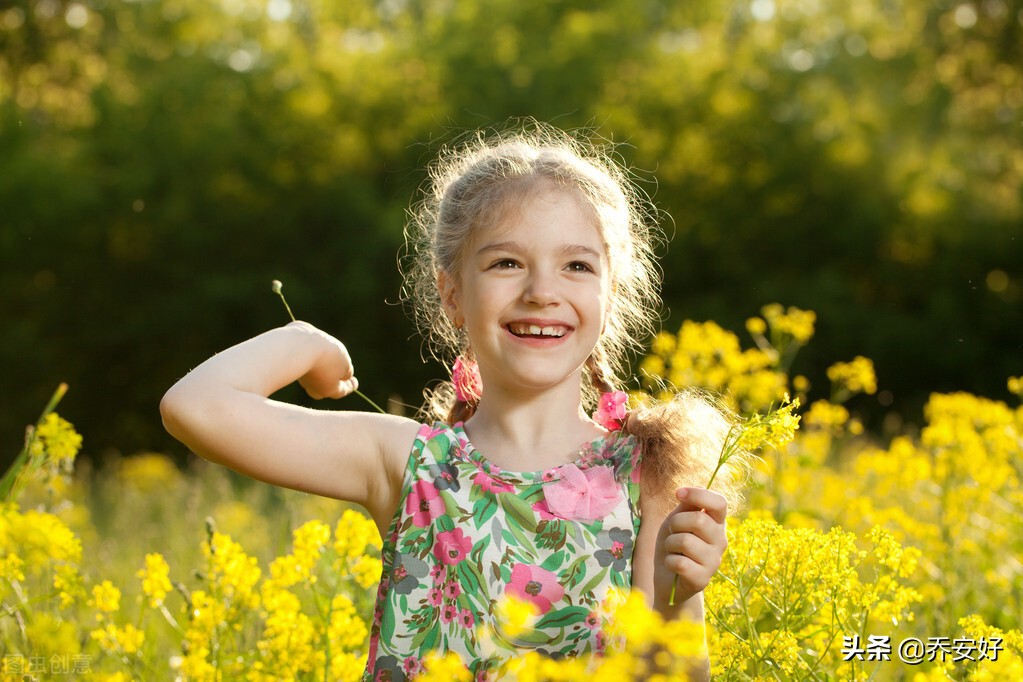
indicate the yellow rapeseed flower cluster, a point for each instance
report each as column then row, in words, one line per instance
column 56, row 440
column 155, row 578
column 357, row 544
column 704, row 354
column 849, row 378
column 147, row 472
column 39, row 557
column 785, row 596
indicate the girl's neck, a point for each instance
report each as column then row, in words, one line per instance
column 538, row 432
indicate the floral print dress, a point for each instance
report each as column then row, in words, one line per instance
column 467, row 535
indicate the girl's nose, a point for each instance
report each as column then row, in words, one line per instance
column 540, row 290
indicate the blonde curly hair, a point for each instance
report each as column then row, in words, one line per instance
column 472, row 185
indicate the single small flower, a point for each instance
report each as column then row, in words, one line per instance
column 612, row 410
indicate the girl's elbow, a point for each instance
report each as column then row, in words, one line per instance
column 175, row 407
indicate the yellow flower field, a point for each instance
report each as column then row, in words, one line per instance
column 852, row 559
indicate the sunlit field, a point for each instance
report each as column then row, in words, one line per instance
column 852, row 558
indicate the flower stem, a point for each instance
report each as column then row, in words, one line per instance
column 11, row 475
column 278, row 288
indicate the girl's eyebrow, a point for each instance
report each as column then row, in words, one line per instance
column 568, row 249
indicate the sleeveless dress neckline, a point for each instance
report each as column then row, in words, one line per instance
column 586, row 455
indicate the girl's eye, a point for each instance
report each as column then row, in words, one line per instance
column 504, row 264
column 579, row 266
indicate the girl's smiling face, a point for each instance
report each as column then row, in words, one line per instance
column 532, row 292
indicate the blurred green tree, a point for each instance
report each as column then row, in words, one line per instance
column 162, row 161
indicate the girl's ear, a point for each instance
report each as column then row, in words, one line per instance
column 450, row 298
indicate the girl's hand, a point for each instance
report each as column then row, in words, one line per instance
column 332, row 374
column 690, row 544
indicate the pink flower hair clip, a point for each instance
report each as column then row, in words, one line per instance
column 612, row 410
column 465, row 375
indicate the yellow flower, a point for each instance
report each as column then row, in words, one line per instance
column 354, row 534
column 854, row 377
column 367, row 571
column 513, row 616
column 664, row 344
column 69, row 584
column 346, row 628
column 309, row 541
column 793, row 322
column 57, row 438
column 826, row 415
column 289, row 644
column 10, row 567
column 106, row 598
column 113, row 639
column 148, row 472
column 155, row 579
column 446, row 668
column 233, row 572
column 756, row 326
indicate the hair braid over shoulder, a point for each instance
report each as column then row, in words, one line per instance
column 681, row 440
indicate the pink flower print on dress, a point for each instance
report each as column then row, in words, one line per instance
column 612, row 410
column 412, row 666
column 465, row 375
column 429, row 432
column 452, row 589
column 452, row 546
column 424, row 503
column 535, row 585
column 489, row 484
column 582, row 495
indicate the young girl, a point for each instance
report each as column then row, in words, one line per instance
column 532, row 270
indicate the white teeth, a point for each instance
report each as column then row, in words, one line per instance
column 536, row 330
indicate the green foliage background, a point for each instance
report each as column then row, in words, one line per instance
column 162, row 160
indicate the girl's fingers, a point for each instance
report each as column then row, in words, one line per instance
column 699, row 524
column 688, row 545
column 709, row 501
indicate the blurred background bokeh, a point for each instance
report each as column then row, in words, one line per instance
column 161, row 161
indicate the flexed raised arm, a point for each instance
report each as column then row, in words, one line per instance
column 222, row 411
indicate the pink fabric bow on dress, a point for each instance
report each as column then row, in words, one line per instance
column 582, row 495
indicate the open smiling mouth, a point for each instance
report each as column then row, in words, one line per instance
column 535, row 331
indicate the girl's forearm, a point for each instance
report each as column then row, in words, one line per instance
column 232, row 383
column 261, row 365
